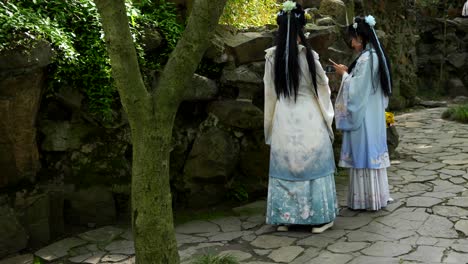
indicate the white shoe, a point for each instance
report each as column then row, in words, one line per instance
column 390, row 200
column 282, row 229
column 319, row 230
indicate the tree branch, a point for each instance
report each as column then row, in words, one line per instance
column 125, row 69
column 188, row 53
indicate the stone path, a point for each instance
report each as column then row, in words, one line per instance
column 427, row 223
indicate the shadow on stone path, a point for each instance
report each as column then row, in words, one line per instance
column 427, row 223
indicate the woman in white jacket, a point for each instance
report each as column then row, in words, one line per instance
column 298, row 118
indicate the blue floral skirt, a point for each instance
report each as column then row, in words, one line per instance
column 301, row 202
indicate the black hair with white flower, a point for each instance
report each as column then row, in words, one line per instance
column 364, row 27
column 291, row 21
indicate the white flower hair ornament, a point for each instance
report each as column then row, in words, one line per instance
column 288, row 6
column 370, row 20
column 355, row 25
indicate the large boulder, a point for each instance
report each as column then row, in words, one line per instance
column 245, row 79
column 34, row 213
column 458, row 60
column 321, row 38
column 335, row 9
column 201, row 88
column 210, row 164
column 249, row 46
column 22, row 80
column 64, row 136
column 91, row 206
column 213, row 157
column 254, row 163
column 238, row 114
column 13, row 236
column 455, row 87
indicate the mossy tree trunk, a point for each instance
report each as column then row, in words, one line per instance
column 151, row 116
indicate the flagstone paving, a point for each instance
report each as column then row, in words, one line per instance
column 427, row 223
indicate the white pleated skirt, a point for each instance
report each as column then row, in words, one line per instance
column 368, row 189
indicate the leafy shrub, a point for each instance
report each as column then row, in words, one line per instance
column 74, row 30
column 457, row 113
column 249, row 13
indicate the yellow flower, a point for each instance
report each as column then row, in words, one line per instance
column 308, row 16
column 389, row 118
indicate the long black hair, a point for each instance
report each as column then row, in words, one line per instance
column 368, row 35
column 296, row 25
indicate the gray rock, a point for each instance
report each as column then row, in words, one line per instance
column 460, row 100
column 262, row 252
column 269, row 241
column 426, row 254
column 213, row 157
column 94, row 205
column 187, row 239
column 327, row 257
column 238, row 114
column 456, row 87
column 411, row 164
column 91, row 258
column 434, row 166
column 347, row 247
column 458, row 201
column 286, row 254
column 201, row 88
column 22, row 259
column 59, row 249
column 265, row 229
column 228, row 236
column 374, row 260
column 422, row 201
column 414, row 187
column 228, row 224
column 64, row 136
column 307, row 256
column 355, row 223
column 458, row 59
column 248, row 47
column 124, row 247
column 197, row 227
column 318, row 241
column 454, row 257
column 450, row 211
column 404, row 220
column 101, row 235
column 452, row 172
column 437, row 226
column 462, row 226
column 387, row 249
column 460, row 247
column 113, row 258
column 255, row 208
column 440, row 195
column 432, row 104
column 427, row 241
column 335, row 9
column 14, row 237
column 239, row 255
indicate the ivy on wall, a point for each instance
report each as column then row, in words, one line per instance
column 74, row 30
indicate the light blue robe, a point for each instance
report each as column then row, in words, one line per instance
column 360, row 114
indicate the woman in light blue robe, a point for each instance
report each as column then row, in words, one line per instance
column 298, row 119
column 360, row 114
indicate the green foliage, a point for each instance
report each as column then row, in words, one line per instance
column 238, row 192
column 457, row 113
column 211, row 259
column 249, row 13
column 74, row 29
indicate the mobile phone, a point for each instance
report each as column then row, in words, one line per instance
column 330, row 69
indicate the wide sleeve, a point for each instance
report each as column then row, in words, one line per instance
column 324, row 95
column 270, row 97
column 354, row 93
